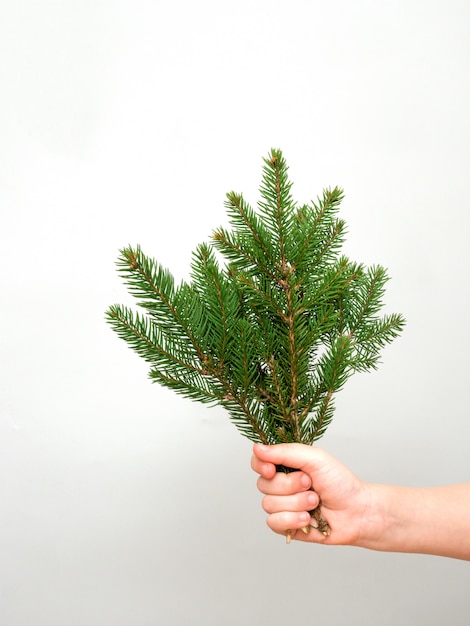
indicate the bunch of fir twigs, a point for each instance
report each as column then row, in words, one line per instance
column 273, row 333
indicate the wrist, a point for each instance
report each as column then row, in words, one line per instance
column 398, row 519
column 380, row 526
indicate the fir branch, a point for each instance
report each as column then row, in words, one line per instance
column 186, row 388
column 369, row 291
column 154, row 288
column 220, row 301
column 149, row 341
column 319, row 228
column 278, row 206
column 238, row 249
column 274, row 334
column 247, row 223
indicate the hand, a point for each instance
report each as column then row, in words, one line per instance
column 288, row 497
column 431, row 520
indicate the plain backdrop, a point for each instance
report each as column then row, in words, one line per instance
column 126, row 123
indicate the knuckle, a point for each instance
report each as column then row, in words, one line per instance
column 265, row 503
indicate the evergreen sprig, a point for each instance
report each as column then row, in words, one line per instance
column 274, row 333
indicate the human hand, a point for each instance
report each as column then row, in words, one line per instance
column 288, row 497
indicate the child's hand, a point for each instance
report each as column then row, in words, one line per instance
column 289, row 497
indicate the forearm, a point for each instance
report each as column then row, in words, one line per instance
column 429, row 520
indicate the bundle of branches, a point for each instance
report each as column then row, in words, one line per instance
column 273, row 332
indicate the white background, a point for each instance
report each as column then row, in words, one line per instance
column 127, row 122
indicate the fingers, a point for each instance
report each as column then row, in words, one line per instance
column 298, row 502
column 284, row 484
column 273, row 482
column 267, row 470
column 289, row 513
column 294, row 455
column 285, row 521
column 288, row 498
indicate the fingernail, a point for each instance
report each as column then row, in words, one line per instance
column 305, row 480
column 261, row 447
column 304, row 517
column 312, row 499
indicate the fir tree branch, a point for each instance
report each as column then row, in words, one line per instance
column 323, row 418
column 278, row 205
column 262, row 298
column 220, row 301
column 273, row 335
column 154, row 287
column 330, row 245
column 371, row 291
column 315, row 226
column 137, row 331
column 243, row 415
column 185, row 388
column 247, row 222
column 239, row 252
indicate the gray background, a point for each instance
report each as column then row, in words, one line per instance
column 127, row 122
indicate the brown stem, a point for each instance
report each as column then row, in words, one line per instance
column 322, row 524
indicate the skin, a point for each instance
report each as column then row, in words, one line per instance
column 379, row 517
